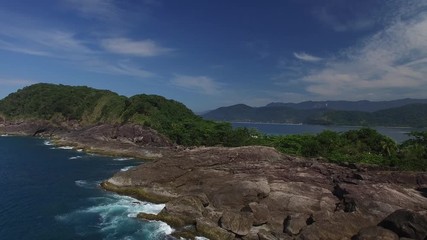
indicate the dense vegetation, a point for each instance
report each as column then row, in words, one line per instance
column 355, row 146
column 59, row 103
column 411, row 115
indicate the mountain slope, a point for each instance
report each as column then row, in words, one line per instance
column 362, row 106
column 414, row 115
column 87, row 106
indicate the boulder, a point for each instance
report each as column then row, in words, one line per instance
column 190, row 206
column 259, row 211
column 211, row 230
column 265, row 235
column 212, row 214
column 406, row 223
column 375, row 233
column 294, row 223
column 239, row 223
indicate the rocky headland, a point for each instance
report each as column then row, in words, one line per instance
column 258, row 193
column 251, row 192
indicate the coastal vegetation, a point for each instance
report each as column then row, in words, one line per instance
column 87, row 106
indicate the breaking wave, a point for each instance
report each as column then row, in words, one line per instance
column 114, row 217
column 122, row 159
column 126, row 168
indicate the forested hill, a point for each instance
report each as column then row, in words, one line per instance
column 88, row 106
column 360, row 106
column 411, row 115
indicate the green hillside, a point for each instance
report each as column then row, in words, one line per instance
column 88, row 106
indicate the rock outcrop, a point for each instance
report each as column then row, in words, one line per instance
column 111, row 139
column 258, row 193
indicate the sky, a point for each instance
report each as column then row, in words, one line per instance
column 212, row 53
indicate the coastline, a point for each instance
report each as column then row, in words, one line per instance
column 247, row 192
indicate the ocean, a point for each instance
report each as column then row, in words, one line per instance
column 53, row 193
column 398, row 134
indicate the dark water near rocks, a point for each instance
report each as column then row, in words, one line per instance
column 51, row 193
column 397, row 134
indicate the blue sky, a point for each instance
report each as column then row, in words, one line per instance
column 208, row 54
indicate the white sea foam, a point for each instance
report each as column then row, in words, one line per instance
column 87, row 184
column 75, row 157
column 201, row 238
column 115, row 218
column 165, row 229
column 65, row 147
column 4, row 135
column 126, row 168
column 79, row 150
column 47, row 143
column 62, row 147
column 122, row 159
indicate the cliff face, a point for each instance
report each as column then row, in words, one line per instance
column 258, row 193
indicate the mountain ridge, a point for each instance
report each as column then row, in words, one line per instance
column 402, row 112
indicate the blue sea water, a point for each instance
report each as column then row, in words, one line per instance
column 53, row 193
column 397, row 134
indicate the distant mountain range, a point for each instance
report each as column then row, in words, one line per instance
column 403, row 112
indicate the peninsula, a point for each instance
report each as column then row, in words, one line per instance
column 225, row 183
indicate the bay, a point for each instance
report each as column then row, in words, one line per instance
column 398, row 134
column 53, row 193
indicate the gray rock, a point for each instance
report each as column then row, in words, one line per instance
column 265, row 235
column 211, row 230
column 238, row 223
column 406, row 223
column 212, row 214
column 375, row 233
column 189, row 206
column 294, row 223
column 259, row 211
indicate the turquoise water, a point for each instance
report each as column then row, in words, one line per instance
column 397, row 134
column 53, row 193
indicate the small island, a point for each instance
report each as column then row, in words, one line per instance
column 225, row 183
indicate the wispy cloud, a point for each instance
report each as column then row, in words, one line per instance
column 260, row 48
column 15, row 82
column 8, row 46
column 98, row 9
column 357, row 23
column 307, row 57
column 20, row 37
column 389, row 64
column 143, row 48
column 41, row 41
column 200, row 84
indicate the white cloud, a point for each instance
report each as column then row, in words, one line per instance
column 18, row 36
column 307, row 57
column 143, row 48
column 200, row 84
column 389, row 64
column 20, row 49
column 42, row 42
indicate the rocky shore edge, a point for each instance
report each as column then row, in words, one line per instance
column 250, row 192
